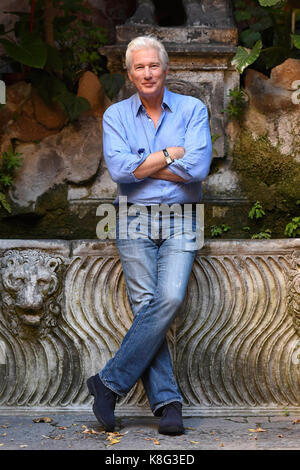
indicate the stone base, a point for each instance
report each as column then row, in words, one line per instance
column 235, row 343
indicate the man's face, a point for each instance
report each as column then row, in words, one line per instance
column 147, row 73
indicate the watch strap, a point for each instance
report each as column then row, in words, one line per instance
column 168, row 157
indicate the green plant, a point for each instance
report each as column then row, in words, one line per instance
column 236, row 105
column 268, row 33
column 217, row 231
column 256, row 211
column 292, row 229
column 214, row 137
column 263, row 234
column 10, row 161
column 53, row 46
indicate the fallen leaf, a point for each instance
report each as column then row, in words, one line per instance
column 1, row 444
column 259, row 429
column 44, row 419
column 46, row 437
column 280, row 435
column 191, row 429
column 89, row 431
column 195, row 442
column 113, row 438
column 4, row 434
column 62, row 427
column 221, row 445
column 112, row 435
column 152, row 439
column 114, row 441
column 23, row 445
column 295, row 421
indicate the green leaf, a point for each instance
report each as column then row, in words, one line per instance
column 48, row 86
column 240, row 4
column 54, row 61
column 243, row 57
column 4, row 202
column 112, row 83
column 73, row 105
column 296, row 40
column 268, row 3
column 272, row 56
column 249, row 37
column 242, row 15
column 264, row 23
column 30, row 51
column 6, row 180
column 11, row 160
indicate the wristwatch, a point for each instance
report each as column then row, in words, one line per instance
column 168, row 157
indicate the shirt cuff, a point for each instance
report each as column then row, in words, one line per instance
column 179, row 170
column 142, row 157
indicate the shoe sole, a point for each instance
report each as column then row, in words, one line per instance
column 172, row 432
column 92, row 390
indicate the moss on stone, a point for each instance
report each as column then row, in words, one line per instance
column 268, row 176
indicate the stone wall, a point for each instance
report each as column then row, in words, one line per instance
column 235, row 344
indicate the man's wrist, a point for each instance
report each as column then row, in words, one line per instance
column 168, row 157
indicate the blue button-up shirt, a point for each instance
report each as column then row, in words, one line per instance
column 129, row 136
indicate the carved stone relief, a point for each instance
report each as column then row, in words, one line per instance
column 233, row 343
column 293, row 299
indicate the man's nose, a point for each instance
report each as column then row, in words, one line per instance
column 148, row 73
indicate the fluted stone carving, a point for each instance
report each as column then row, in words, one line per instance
column 234, row 342
column 294, row 290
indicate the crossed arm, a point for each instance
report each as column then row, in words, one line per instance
column 191, row 162
column 155, row 165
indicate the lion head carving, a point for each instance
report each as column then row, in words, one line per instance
column 30, row 290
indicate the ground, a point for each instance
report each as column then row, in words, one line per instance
column 81, row 431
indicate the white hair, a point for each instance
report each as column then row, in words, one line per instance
column 146, row 42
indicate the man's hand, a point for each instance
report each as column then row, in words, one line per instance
column 156, row 161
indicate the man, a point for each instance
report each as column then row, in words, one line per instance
column 157, row 147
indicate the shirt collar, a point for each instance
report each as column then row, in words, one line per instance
column 166, row 102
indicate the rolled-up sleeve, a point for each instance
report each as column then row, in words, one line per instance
column 120, row 160
column 195, row 164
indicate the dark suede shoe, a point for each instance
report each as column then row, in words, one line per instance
column 171, row 420
column 104, row 403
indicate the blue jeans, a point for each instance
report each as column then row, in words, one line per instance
column 156, row 272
